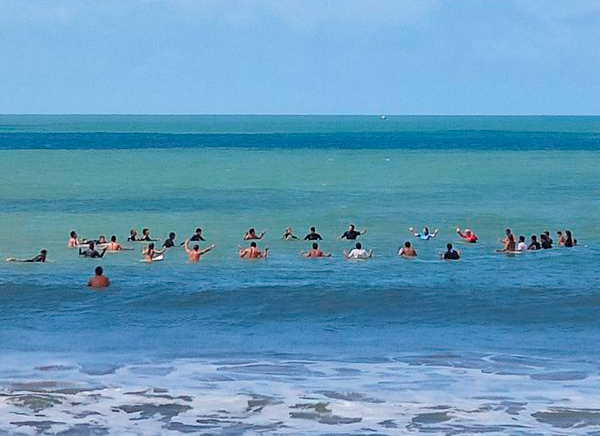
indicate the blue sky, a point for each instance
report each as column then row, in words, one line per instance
column 300, row 57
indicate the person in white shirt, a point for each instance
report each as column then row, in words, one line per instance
column 358, row 252
column 522, row 245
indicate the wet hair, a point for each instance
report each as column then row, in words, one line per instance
column 252, row 231
column 407, row 244
column 132, row 231
column 533, row 238
column 253, row 244
column 351, row 225
column 568, row 239
column 196, row 247
column 543, row 236
column 44, row 252
column 73, row 234
column 145, row 230
column 312, row 229
column 91, row 245
column 507, row 231
column 558, row 232
column 521, row 238
column 113, row 238
column 171, row 235
column 426, row 229
column 358, row 245
column 315, row 245
column 198, row 230
column 99, row 270
column 449, row 246
column 151, row 246
column 547, row 233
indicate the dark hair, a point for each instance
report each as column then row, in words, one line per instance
column 99, row 270
column 547, row 233
column 196, row 247
column 533, row 238
column 507, row 231
column 73, row 234
column 315, row 245
column 558, row 232
column 569, row 239
column 253, row 244
column 407, row 244
column 113, row 238
column 132, row 231
column 145, row 230
column 543, row 237
column 521, row 238
column 312, row 229
column 198, row 230
column 251, row 230
column 44, row 251
column 171, row 235
column 151, row 245
column 426, row 229
column 351, row 225
column 358, row 245
column 91, row 245
column 449, row 246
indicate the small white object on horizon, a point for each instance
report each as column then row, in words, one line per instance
column 383, row 117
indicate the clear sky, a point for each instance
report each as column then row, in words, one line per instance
column 300, row 56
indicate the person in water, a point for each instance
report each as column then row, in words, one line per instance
column 170, row 242
column 195, row 253
column 467, row 235
column 113, row 245
column 425, row 235
column 251, row 234
column 253, row 252
column 407, row 250
column 132, row 235
column 288, row 235
column 358, row 252
column 352, row 233
column 313, row 235
column 547, row 233
column 146, row 236
column 74, row 241
column 197, row 236
column 569, row 241
column 450, row 253
column 315, row 251
column 522, row 245
column 150, row 253
column 534, row 245
column 508, row 242
column 91, row 251
column 560, row 237
column 546, row 241
column 98, row 280
column 39, row 258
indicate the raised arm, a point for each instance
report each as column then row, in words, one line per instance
column 207, row 249
column 186, row 246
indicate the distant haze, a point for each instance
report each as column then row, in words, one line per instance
column 300, row 57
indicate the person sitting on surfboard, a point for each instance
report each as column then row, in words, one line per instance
column 288, row 234
column 358, row 252
column 150, row 254
column 132, row 235
column 315, row 252
column 170, row 242
column 467, row 236
column 195, row 253
column 74, row 241
column 91, row 251
column 39, row 258
column 407, row 250
column 522, row 245
column 146, row 236
column 253, row 252
column 251, row 234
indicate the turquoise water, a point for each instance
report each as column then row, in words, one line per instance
column 494, row 344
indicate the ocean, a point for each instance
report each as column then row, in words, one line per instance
column 491, row 344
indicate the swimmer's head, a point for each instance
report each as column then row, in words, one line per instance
column 99, row 270
column 468, row 231
column 426, row 230
column 315, row 245
column 171, row 235
column 145, row 231
column 407, row 244
column 253, row 244
column 533, row 238
column 559, row 233
column 101, row 239
column 252, row 231
column 449, row 246
column 358, row 245
column 312, row 229
column 73, row 234
column 507, row 231
column 151, row 246
column 521, row 238
column 198, row 230
column 351, row 227
column 568, row 233
column 547, row 233
column 133, row 232
column 44, row 252
column 91, row 245
column 196, row 247
column 113, row 238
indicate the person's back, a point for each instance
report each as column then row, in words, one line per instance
column 534, row 245
column 522, row 245
column 98, row 280
column 407, row 250
column 450, row 253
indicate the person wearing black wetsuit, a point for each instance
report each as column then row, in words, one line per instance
column 351, row 233
column 546, row 241
column 313, row 235
column 451, row 254
column 535, row 245
column 197, row 236
column 91, row 252
column 170, row 242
